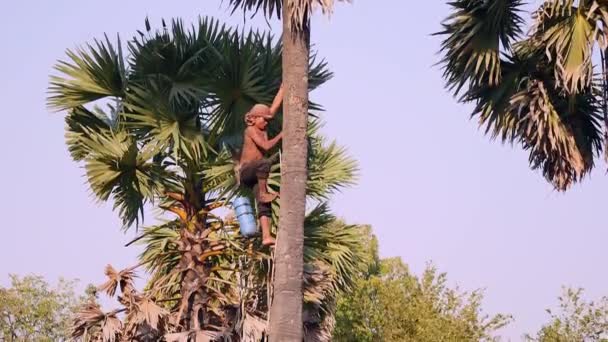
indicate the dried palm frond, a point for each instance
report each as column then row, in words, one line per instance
column 318, row 282
column 91, row 323
column 111, row 328
column 124, row 279
column 254, row 328
column 145, row 311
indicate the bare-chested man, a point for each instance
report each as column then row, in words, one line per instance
column 254, row 168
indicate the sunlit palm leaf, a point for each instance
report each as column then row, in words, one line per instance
column 151, row 115
column 89, row 76
column 329, row 169
column 334, row 243
column 475, row 33
column 177, row 62
column 115, row 166
column 80, row 123
column 160, row 257
column 568, row 36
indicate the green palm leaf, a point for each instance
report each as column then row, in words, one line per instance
column 329, row 169
column 475, row 32
column 79, row 123
column 151, row 115
column 250, row 69
column 116, row 167
column 161, row 256
column 177, row 60
column 336, row 244
column 90, row 75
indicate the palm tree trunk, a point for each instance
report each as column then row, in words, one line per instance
column 286, row 311
column 193, row 267
column 604, row 56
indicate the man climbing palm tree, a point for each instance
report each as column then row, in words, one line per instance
column 254, row 168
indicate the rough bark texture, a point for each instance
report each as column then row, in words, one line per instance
column 195, row 268
column 195, row 273
column 286, row 311
column 605, row 96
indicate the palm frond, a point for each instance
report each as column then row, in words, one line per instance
column 152, row 116
column 115, row 166
column 161, row 256
column 91, row 74
column 318, row 282
column 334, row 243
column 111, row 329
column 562, row 133
column 254, row 328
column 329, row 169
column 493, row 103
column 145, row 312
column 568, row 36
column 92, row 324
column 123, row 279
column 299, row 13
column 81, row 122
column 527, row 108
column 251, row 70
column 475, row 32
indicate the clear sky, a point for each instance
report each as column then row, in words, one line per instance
column 433, row 187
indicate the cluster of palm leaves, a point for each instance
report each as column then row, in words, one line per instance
column 298, row 11
column 159, row 126
column 540, row 89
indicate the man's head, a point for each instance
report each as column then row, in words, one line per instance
column 257, row 116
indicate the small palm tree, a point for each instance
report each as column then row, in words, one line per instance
column 296, row 14
column 157, row 129
column 540, row 90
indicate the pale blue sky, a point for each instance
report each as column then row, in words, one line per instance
column 432, row 185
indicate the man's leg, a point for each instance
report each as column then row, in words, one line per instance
column 262, row 173
column 265, row 217
column 267, row 239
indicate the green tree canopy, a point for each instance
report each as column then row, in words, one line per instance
column 32, row 310
column 389, row 303
column 576, row 320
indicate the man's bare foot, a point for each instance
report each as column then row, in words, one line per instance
column 269, row 241
column 267, row 197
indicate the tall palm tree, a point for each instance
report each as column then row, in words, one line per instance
column 156, row 129
column 541, row 89
column 286, row 314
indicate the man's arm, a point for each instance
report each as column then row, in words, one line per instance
column 261, row 140
column 276, row 103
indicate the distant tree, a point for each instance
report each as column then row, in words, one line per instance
column 577, row 320
column 31, row 310
column 388, row 303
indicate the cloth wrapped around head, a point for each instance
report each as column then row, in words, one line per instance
column 259, row 110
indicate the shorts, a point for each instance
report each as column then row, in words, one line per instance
column 249, row 175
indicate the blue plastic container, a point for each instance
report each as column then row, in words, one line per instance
column 244, row 213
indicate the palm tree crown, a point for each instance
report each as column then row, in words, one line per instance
column 159, row 128
column 539, row 90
